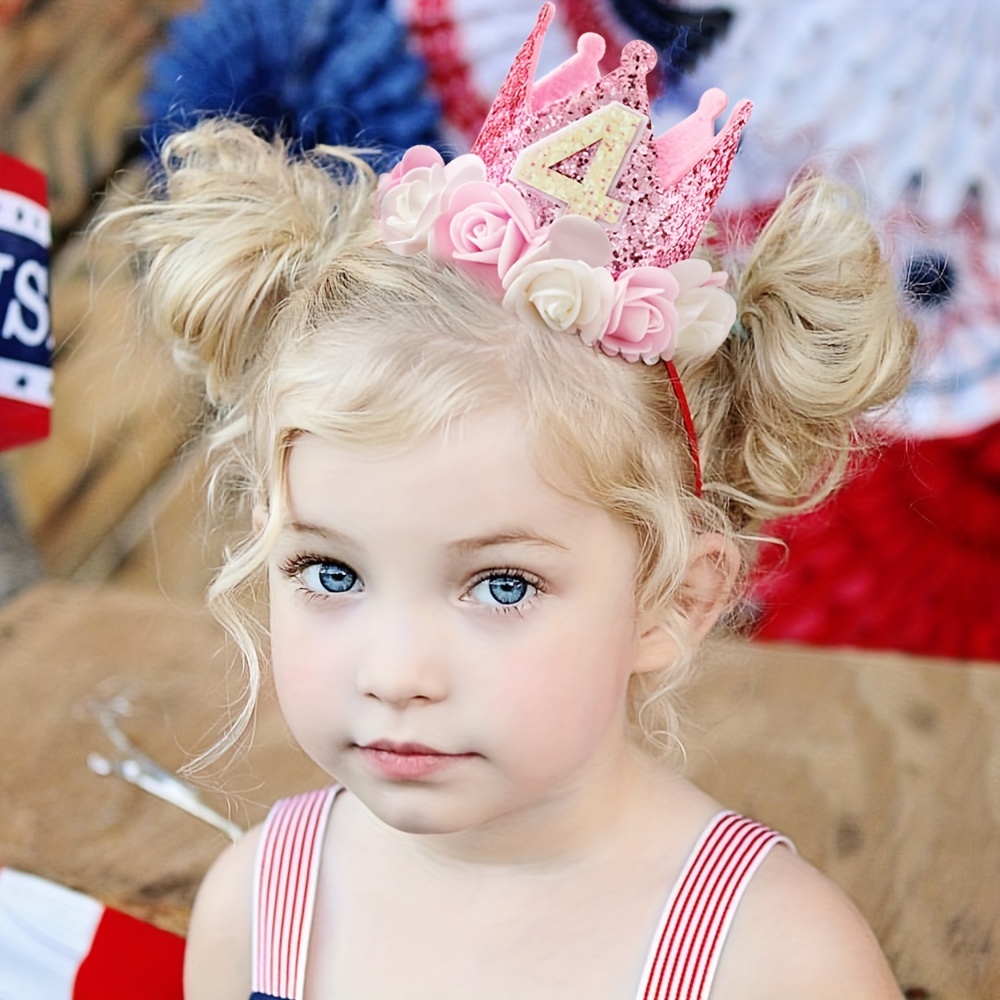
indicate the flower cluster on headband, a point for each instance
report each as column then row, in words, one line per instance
column 555, row 277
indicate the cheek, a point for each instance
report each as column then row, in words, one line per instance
column 304, row 663
column 284, row 637
column 312, row 685
column 577, row 677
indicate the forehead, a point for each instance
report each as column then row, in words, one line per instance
column 475, row 477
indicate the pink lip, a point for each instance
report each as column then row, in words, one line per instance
column 402, row 748
column 407, row 761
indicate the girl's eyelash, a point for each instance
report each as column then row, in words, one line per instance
column 533, row 581
column 499, row 571
column 294, row 565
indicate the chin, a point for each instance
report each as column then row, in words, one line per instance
column 425, row 825
column 429, row 814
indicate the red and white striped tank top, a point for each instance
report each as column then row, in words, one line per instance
column 682, row 959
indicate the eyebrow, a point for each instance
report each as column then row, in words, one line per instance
column 464, row 546
column 467, row 545
column 305, row 528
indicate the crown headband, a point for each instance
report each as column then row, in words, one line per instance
column 572, row 214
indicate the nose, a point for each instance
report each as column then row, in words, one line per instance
column 404, row 661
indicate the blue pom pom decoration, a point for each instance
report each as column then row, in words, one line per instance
column 680, row 35
column 312, row 71
column 929, row 280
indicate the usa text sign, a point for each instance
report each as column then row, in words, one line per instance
column 25, row 322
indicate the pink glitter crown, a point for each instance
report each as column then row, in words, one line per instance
column 575, row 216
column 652, row 195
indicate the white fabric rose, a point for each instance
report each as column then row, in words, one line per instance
column 561, row 295
column 410, row 204
column 705, row 313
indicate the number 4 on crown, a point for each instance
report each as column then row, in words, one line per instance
column 613, row 129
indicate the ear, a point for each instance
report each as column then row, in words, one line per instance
column 703, row 596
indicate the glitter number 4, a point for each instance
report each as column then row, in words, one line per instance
column 613, row 129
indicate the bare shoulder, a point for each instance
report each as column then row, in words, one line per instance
column 796, row 935
column 217, row 957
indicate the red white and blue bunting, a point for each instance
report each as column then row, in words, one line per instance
column 25, row 327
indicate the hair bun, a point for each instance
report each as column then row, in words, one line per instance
column 236, row 225
column 825, row 342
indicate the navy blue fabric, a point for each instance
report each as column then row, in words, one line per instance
column 680, row 35
column 312, row 71
column 24, row 301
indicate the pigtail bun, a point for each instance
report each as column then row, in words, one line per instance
column 820, row 341
column 234, row 227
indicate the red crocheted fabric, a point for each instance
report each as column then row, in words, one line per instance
column 905, row 557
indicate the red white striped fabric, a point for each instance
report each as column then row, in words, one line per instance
column 697, row 917
column 287, row 874
column 58, row 944
column 682, row 960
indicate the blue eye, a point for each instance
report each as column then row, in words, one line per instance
column 331, row 578
column 508, row 589
column 505, row 589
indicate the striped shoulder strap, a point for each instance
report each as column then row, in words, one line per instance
column 287, row 873
column 688, row 942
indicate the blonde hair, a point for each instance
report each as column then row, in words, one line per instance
column 266, row 272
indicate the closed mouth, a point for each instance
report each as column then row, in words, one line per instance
column 407, row 762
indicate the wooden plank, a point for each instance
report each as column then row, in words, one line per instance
column 882, row 769
column 71, row 73
column 171, row 543
column 99, row 834
column 122, row 411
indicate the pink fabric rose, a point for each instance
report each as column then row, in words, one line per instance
column 484, row 230
column 643, row 318
column 705, row 313
column 570, row 237
column 415, row 158
column 575, row 237
column 560, row 295
column 410, row 200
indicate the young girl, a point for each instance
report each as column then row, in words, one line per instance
column 506, row 444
